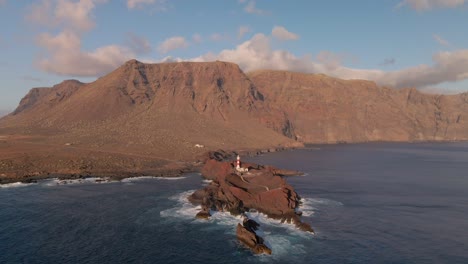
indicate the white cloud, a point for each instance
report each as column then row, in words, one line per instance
column 242, row 31
column 422, row 5
column 62, row 52
column 197, row 38
column 330, row 60
column 219, row 37
column 64, row 13
column 441, row 40
column 138, row 44
column 140, row 4
column 66, row 57
column 251, row 8
column 257, row 53
column 283, row 34
column 172, row 43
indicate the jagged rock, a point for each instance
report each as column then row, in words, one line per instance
column 251, row 240
column 260, row 189
column 261, row 249
column 203, row 215
column 250, row 224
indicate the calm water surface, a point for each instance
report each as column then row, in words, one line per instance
column 369, row 203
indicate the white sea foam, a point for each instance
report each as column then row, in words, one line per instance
column 290, row 228
column 15, row 185
column 184, row 209
column 55, row 182
column 310, row 205
column 135, row 179
column 206, row 182
column 281, row 243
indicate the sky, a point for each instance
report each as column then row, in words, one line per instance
column 396, row 43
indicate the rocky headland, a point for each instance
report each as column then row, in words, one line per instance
column 163, row 119
column 253, row 187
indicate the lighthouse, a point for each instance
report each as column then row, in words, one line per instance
column 238, row 166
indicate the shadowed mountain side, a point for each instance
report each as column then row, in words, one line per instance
column 323, row 109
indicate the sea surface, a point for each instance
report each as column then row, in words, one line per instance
column 369, row 203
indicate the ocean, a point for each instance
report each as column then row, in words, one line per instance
column 368, row 203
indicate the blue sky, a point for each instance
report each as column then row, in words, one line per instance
column 398, row 43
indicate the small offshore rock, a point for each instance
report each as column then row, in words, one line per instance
column 203, row 215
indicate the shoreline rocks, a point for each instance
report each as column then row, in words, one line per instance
column 246, row 234
column 262, row 188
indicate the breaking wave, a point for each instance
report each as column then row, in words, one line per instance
column 280, row 237
column 310, row 205
column 135, row 179
column 15, row 185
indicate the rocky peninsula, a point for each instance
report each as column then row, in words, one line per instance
column 159, row 119
column 245, row 188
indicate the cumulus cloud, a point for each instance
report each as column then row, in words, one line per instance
column 423, row 5
column 441, row 40
column 257, row 53
column 172, row 43
column 138, row 44
column 219, row 37
column 251, row 8
column 242, row 31
column 62, row 52
column 197, row 38
column 63, row 13
column 140, row 4
column 283, row 34
column 330, row 60
column 66, row 57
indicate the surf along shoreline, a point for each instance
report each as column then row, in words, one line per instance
column 30, row 168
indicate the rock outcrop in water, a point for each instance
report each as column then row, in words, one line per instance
column 248, row 237
column 262, row 188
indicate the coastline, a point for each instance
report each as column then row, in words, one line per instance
column 157, row 168
column 118, row 170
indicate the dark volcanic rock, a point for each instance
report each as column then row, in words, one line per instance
column 261, row 188
column 249, row 239
column 203, row 214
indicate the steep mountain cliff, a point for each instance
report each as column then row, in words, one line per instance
column 155, row 109
column 323, row 109
column 155, row 119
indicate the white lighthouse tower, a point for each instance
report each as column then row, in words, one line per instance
column 238, row 165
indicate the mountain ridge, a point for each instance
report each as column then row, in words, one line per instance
column 173, row 113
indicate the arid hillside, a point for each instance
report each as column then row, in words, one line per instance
column 157, row 109
column 144, row 117
column 136, row 118
column 323, row 109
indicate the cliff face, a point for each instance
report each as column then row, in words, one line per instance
column 323, row 109
column 155, row 109
column 143, row 117
column 164, row 110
